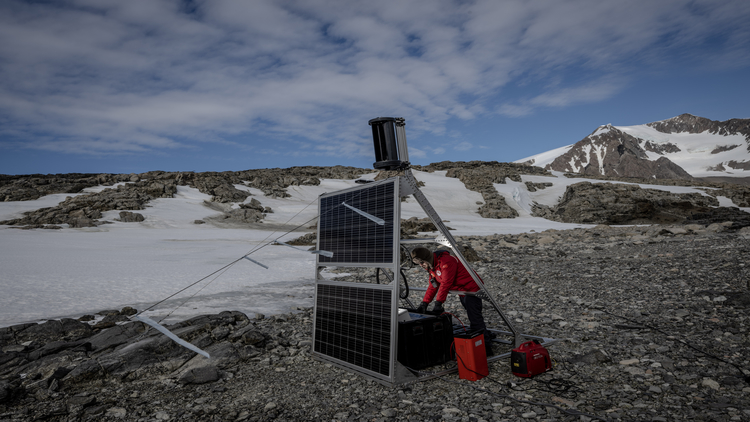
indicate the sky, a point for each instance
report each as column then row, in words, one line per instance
column 98, row 86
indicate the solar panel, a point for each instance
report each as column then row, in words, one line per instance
column 353, row 325
column 349, row 224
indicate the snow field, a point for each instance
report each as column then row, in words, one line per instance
column 72, row 272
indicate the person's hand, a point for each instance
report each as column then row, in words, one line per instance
column 438, row 308
column 422, row 308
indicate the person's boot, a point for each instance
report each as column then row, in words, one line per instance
column 488, row 343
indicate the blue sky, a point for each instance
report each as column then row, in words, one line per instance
column 97, row 86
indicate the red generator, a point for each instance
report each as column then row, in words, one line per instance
column 471, row 356
column 529, row 359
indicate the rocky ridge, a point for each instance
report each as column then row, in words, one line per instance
column 739, row 193
column 34, row 186
column 589, row 205
column 138, row 189
column 479, row 176
column 642, row 314
column 609, row 203
column 695, row 124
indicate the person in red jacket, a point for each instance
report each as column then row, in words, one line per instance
column 446, row 274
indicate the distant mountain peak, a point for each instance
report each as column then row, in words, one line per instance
column 609, row 151
column 601, row 130
column 658, row 150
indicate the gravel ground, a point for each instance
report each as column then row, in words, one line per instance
column 651, row 321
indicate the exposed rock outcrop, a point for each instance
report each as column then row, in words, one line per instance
column 309, row 239
column 479, row 176
column 695, row 124
column 607, row 203
column 411, row 227
column 34, row 186
column 740, row 195
column 739, row 165
column 273, row 182
column 219, row 186
column 85, row 210
column 661, row 149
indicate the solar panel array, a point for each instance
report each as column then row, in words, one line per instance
column 353, row 324
column 352, row 237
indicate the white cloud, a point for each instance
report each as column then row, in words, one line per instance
column 416, row 153
column 463, row 146
column 107, row 77
column 515, row 110
column 563, row 97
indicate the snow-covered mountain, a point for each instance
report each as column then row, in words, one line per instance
column 678, row 148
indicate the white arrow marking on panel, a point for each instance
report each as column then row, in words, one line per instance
column 379, row 221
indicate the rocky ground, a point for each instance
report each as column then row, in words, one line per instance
column 651, row 320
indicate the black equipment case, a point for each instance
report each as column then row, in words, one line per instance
column 425, row 341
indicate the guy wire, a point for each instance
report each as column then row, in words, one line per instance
column 256, row 249
column 226, row 267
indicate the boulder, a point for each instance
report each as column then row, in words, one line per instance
column 131, row 217
column 244, row 215
column 248, row 335
column 199, row 375
column 5, row 391
column 254, row 204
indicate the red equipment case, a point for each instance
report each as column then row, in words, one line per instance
column 529, row 359
column 471, row 356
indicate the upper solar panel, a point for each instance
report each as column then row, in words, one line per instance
column 357, row 225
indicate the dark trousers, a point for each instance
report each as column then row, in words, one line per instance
column 473, row 306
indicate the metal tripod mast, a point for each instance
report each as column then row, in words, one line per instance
column 409, row 187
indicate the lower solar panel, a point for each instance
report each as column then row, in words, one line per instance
column 353, row 324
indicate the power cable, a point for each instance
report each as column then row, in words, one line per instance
column 563, row 388
column 571, row 412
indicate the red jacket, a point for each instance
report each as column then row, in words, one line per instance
column 450, row 274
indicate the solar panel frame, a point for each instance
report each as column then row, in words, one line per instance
column 355, row 325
